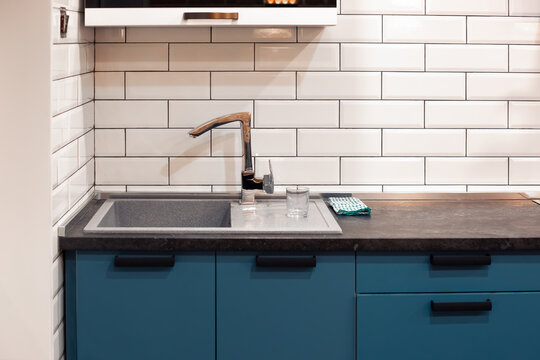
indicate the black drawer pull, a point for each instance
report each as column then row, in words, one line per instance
column 211, row 15
column 144, row 261
column 460, row 260
column 461, row 306
column 286, row 261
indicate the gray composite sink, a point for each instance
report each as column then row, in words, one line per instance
column 208, row 216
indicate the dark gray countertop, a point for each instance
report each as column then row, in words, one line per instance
column 399, row 222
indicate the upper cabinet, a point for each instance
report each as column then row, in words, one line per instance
column 210, row 12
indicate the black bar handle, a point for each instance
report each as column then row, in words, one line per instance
column 460, row 260
column 144, row 261
column 210, row 16
column 286, row 261
column 461, row 306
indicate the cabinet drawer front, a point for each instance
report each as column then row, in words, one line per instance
column 294, row 311
column 449, row 273
column 403, row 326
column 142, row 307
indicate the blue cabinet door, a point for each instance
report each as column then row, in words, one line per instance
column 140, row 313
column 403, row 326
column 285, row 313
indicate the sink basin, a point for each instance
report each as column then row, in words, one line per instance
column 208, row 216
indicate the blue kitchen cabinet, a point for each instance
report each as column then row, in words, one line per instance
column 285, row 307
column 140, row 307
column 404, row 326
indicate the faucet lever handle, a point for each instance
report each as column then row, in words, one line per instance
column 268, row 180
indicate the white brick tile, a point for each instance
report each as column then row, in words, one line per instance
column 226, row 188
column 188, row 113
column 354, row 189
column 273, row 142
column 165, row 142
column 131, row 114
column 382, row 57
column 71, row 59
column 167, row 34
column 58, row 274
column 124, row 57
column 438, row 29
column 467, row 7
column 58, row 308
column 132, row 171
column 524, row 8
column 85, row 90
column 342, row 85
column 110, row 142
column 339, row 142
column 86, row 148
column 250, row 34
column 170, row 189
column 109, row 85
column 167, row 85
column 382, row 7
column 226, row 142
column 482, row 58
column 301, row 170
column 110, row 188
column 466, row 114
column 382, row 171
column 503, row 142
column 58, row 342
column 188, row 57
column 80, row 183
column 503, row 30
column 349, row 28
column 110, row 34
column 423, row 142
column 382, row 114
column 524, row 58
column 60, row 61
column 430, row 86
column 68, row 126
column 64, row 163
column 503, row 86
column 524, row 114
column 205, row 171
column 64, row 95
column 502, row 188
column 253, row 85
column 525, row 171
column 466, row 171
column 297, row 57
column 60, row 201
column 425, row 188
column 296, row 114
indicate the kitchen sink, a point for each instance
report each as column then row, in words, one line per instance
column 208, row 216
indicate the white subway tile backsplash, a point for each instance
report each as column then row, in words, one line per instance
column 131, row 114
column 466, row 114
column 429, row 86
column 109, row 85
column 64, row 163
column 466, row 7
column 71, row 124
column 467, row 171
column 354, row 189
column 226, row 142
column 167, row 34
column 85, row 148
column 165, row 142
column 382, row 57
column 339, row 142
column 71, row 59
column 167, row 85
column 189, row 114
column 524, row 171
column 502, row 188
column 503, row 86
column 524, row 114
column 503, row 30
column 503, row 142
column 110, row 188
column 301, row 170
column 296, row 114
column 60, row 201
column 132, row 171
column 205, row 171
column 85, row 89
column 273, row 142
column 110, row 34
column 110, row 142
column 189, row 57
column 76, row 31
column 58, row 342
column 424, row 29
column 425, row 188
column 478, row 58
column 297, row 57
column 253, row 85
column 382, row 7
column 382, row 170
column 80, row 183
column 524, row 58
column 131, row 57
column 250, row 34
column 524, row 8
column 382, row 114
column 423, row 142
column 339, row 85
column 170, row 189
column 349, row 28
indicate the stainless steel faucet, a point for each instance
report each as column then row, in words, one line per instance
column 250, row 183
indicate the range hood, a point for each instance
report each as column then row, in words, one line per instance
column 210, row 12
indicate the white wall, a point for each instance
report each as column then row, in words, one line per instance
column 25, row 215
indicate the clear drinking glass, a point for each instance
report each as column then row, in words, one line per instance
column 297, row 201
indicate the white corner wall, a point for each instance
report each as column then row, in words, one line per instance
column 25, row 216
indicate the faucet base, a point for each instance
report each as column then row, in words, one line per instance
column 248, row 197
